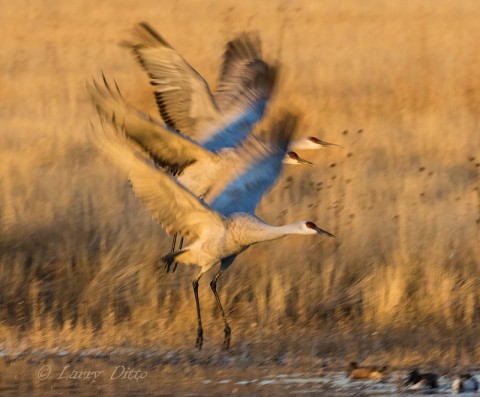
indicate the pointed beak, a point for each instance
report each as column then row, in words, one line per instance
column 321, row 231
column 328, row 144
column 303, row 161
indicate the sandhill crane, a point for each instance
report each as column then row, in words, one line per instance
column 185, row 100
column 245, row 85
column 199, row 169
column 214, row 237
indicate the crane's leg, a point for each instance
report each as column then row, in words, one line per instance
column 166, row 263
column 227, row 330
column 180, row 246
column 199, row 342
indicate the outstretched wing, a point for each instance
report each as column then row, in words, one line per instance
column 185, row 100
column 168, row 148
column 242, row 50
column 246, row 81
column 251, row 181
column 171, row 205
column 183, row 97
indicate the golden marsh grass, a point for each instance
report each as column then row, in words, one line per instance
column 396, row 83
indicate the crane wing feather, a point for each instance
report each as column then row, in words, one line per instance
column 175, row 208
column 168, row 148
column 244, row 48
column 183, row 97
column 244, row 190
column 246, row 81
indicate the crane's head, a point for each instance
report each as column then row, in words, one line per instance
column 319, row 143
column 311, row 228
column 294, row 158
column 312, row 143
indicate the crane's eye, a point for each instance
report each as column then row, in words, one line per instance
column 293, row 155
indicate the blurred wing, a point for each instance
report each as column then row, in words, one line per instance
column 245, row 86
column 171, row 205
column 251, row 181
column 183, row 97
column 246, row 81
column 243, row 49
column 168, row 148
column 185, row 100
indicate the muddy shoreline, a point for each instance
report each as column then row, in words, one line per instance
column 146, row 374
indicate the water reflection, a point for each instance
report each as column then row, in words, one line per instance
column 77, row 376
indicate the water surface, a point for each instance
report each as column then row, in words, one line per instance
column 65, row 375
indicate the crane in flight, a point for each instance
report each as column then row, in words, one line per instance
column 199, row 169
column 218, row 232
column 245, row 85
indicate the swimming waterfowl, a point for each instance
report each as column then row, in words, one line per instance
column 418, row 381
column 365, row 372
column 465, row 383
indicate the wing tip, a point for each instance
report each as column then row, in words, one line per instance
column 148, row 36
column 246, row 45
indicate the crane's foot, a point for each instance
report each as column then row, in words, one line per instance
column 226, row 340
column 163, row 266
column 199, row 342
column 167, row 266
column 169, row 260
column 170, row 266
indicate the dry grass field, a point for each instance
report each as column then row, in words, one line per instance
column 396, row 83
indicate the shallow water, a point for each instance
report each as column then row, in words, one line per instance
column 63, row 375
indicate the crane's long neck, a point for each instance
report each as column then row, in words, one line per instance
column 303, row 144
column 264, row 232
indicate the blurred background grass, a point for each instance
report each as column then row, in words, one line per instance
column 396, row 83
